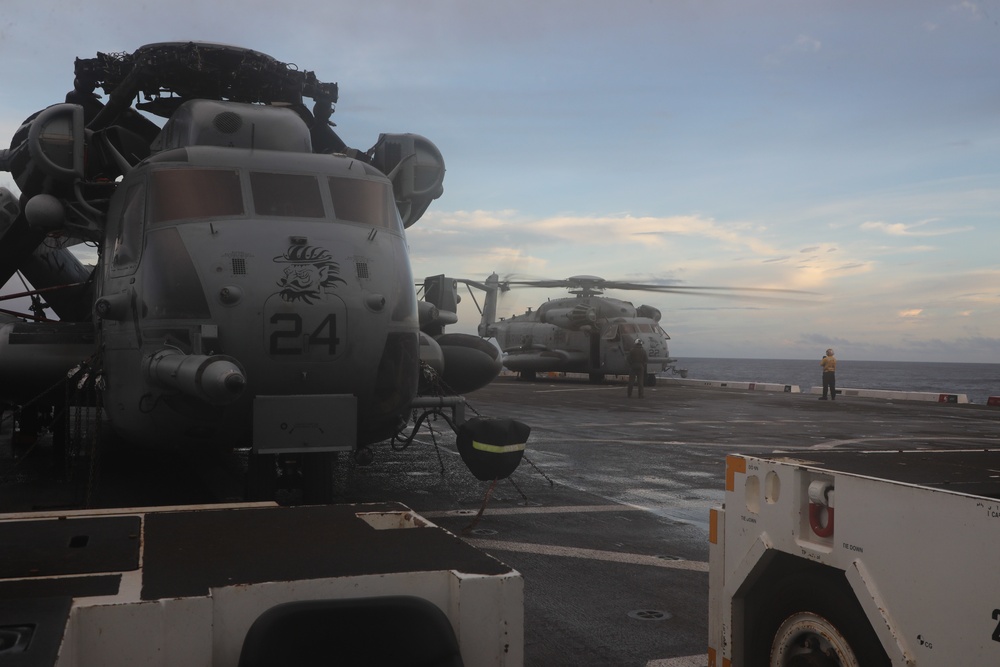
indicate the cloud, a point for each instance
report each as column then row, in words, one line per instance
column 659, row 229
column 691, row 249
column 914, row 229
column 801, row 44
column 806, row 44
column 823, row 339
column 980, row 297
column 970, row 8
column 912, row 312
column 601, row 231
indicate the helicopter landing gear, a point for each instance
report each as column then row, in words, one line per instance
column 262, row 476
column 290, row 487
column 650, row 380
column 596, row 378
column 317, row 476
column 527, row 376
column 291, row 479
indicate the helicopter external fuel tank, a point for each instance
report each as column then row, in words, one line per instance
column 216, row 379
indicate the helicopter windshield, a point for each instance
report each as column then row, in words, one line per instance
column 286, row 195
column 180, row 194
column 199, row 193
column 356, row 200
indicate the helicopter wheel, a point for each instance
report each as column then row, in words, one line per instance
column 596, row 378
column 527, row 376
column 291, row 479
column 650, row 380
column 262, row 476
column 317, row 476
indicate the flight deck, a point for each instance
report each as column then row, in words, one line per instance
column 606, row 519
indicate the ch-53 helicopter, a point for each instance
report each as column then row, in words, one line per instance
column 587, row 333
column 252, row 282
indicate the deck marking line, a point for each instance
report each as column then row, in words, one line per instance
column 556, row 391
column 568, row 509
column 686, row 661
column 831, row 444
column 590, row 554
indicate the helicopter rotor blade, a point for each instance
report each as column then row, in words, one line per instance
column 645, row 287
column 539, row 283
column 594, row 285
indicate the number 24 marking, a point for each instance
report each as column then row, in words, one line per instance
column 326, row 333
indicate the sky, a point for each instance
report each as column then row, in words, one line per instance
column 845, row 148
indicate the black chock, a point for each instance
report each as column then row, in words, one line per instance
column 492, row 448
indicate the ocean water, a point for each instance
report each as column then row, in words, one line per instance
column 977, row 381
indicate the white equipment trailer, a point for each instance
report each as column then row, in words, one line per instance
column 251, row 585
column 838, row 559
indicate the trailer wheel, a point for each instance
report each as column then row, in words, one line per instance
column 809, row 640
column 812, row 620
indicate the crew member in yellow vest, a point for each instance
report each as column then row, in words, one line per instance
column 829, row 365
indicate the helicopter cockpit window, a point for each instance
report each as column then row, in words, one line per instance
column 286, row 195
column 128, row 242
column 182, row 194
column 611, row 333
column 358, row 200
column 171, row 288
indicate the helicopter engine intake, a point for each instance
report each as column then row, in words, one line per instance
column 215, row 379
column 571, row 318
column 650, row 312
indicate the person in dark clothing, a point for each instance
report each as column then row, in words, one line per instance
column 637, row 361
column 829, row 365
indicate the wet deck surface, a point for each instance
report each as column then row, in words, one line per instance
column 606, row 519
